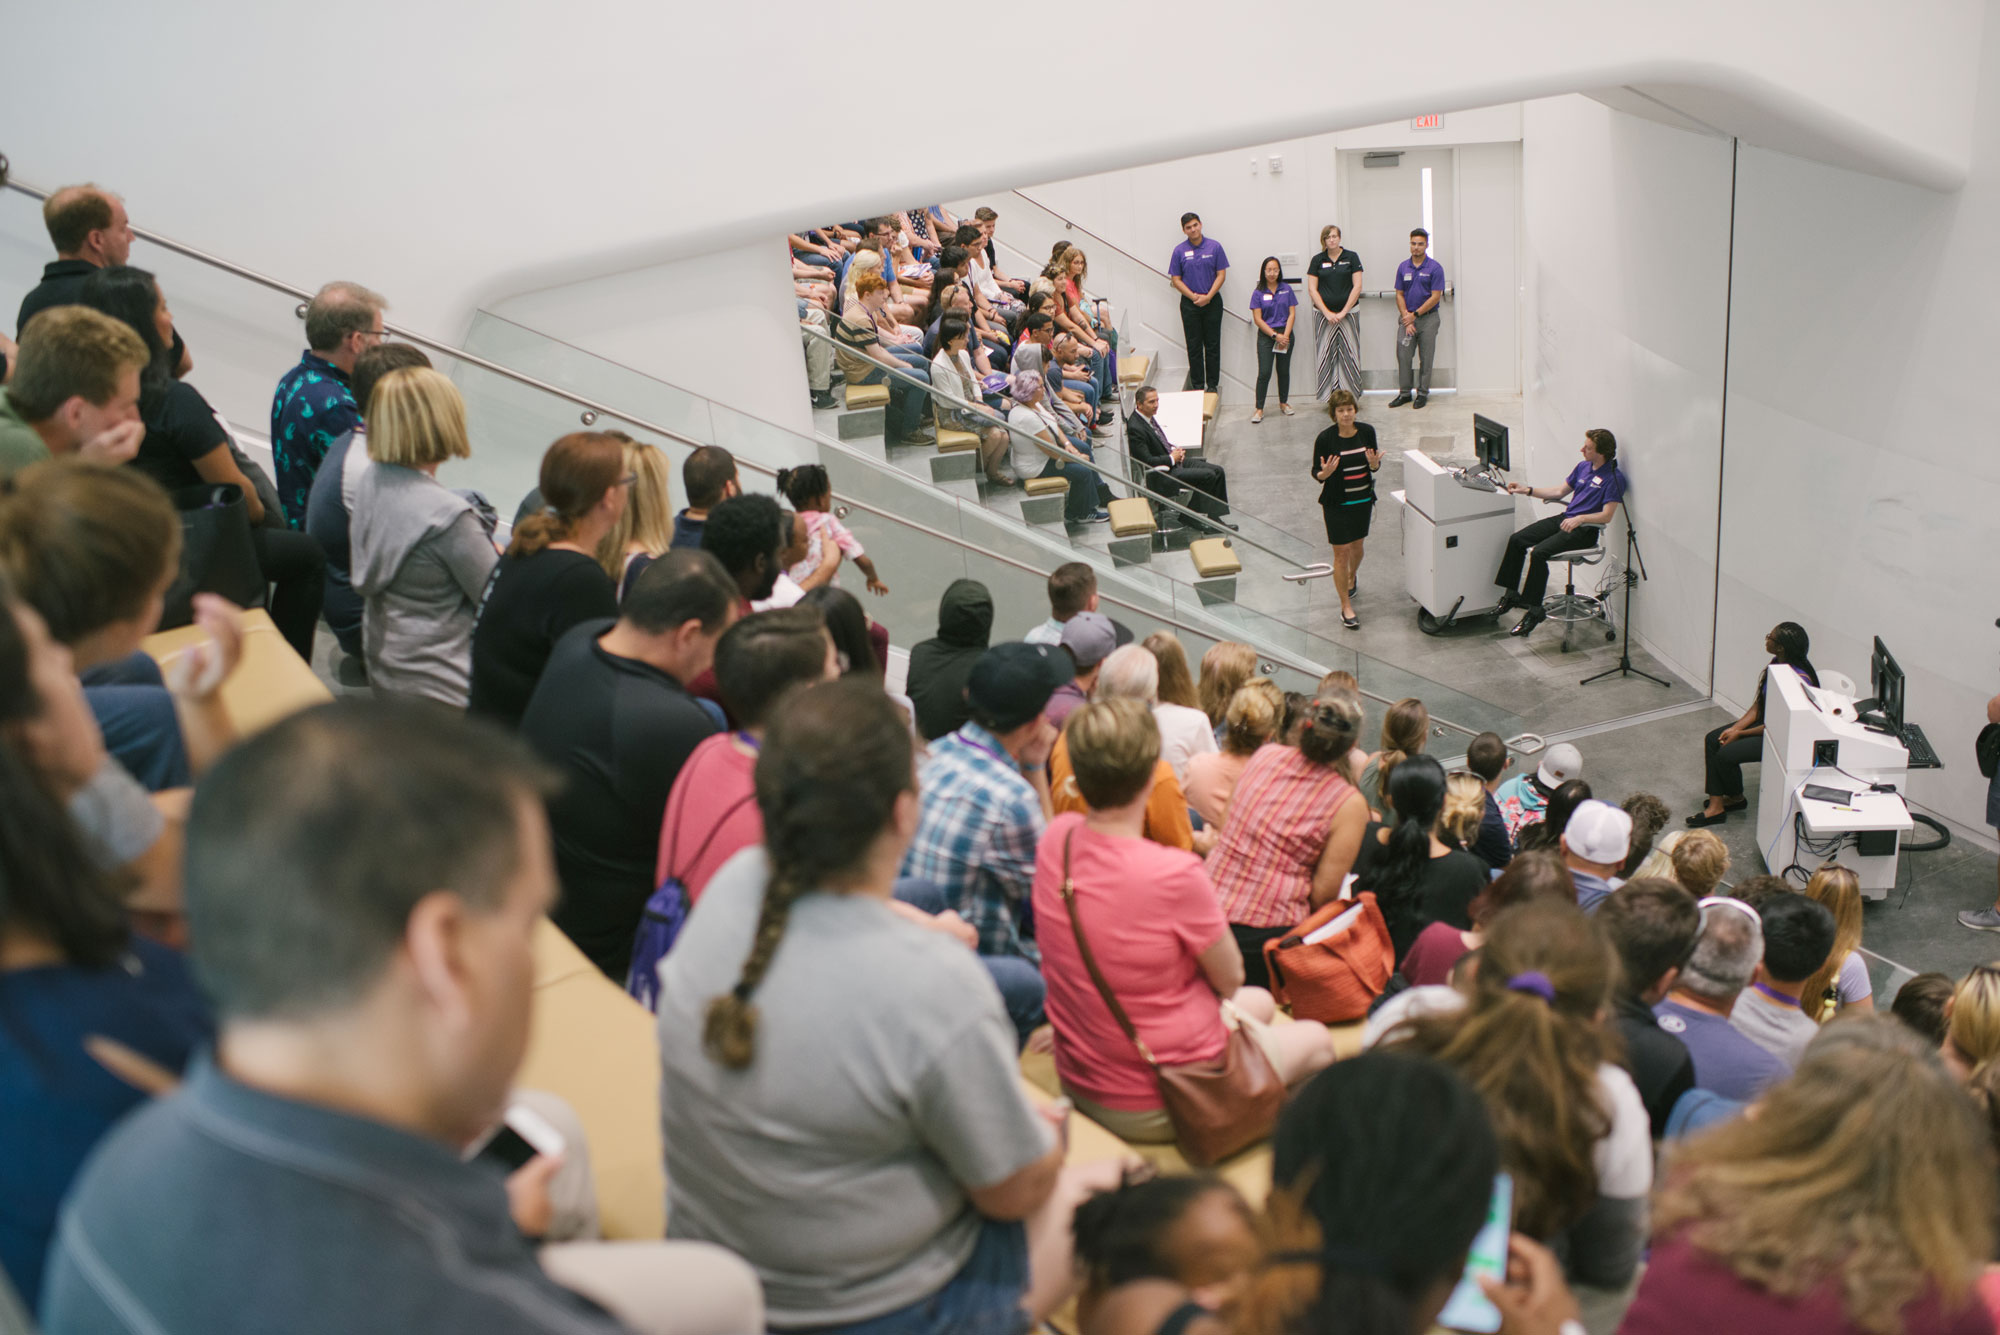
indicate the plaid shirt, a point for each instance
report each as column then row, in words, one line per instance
column 976, row 838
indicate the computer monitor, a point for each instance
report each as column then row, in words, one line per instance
column 1885, row 679
column 1489, row 443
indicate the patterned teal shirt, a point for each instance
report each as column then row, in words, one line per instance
column 312, row 408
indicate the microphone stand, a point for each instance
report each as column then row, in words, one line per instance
column 1632, row 576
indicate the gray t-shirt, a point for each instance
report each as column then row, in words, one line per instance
column 118, row 820
column 885, row 1082
column 1781, row 1030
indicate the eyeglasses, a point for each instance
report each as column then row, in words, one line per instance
column 628, row 480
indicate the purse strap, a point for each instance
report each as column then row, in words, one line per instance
column 1090, row 961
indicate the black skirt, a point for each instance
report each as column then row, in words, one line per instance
column 1347, row 523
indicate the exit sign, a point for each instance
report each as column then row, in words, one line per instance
column 1434, row 121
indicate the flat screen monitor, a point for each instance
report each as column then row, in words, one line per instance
column 1489, row 443
column 1885, row 679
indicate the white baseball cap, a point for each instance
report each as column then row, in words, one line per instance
column 1599, row 832
column 1563, row 763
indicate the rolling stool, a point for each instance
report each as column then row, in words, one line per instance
column 1571, row 607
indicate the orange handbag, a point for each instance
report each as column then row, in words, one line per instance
column 1333, row 979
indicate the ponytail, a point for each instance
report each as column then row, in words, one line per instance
column 1404, row 730
column 576, row 473
column 804, row 484
column 729, row 1029
column 1417, row 799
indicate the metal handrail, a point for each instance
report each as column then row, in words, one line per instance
column 1074, row 226
column 593, row 406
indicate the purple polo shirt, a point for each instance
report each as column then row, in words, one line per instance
column 1418, row 282
column 1197, row 266
column 1591, row 489
column 1275, row 307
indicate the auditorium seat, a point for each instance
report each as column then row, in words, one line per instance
column 271, row 681
column 1214, row 558
column 1210, row 401
column 950, row 441
column 1132, row 368
column 866, row 396
column 1131, row 517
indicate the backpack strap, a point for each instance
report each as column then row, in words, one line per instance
column 720, row 821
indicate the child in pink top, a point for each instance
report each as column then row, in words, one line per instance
column 810, row 491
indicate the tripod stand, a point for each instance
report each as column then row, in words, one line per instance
column 1635, row 570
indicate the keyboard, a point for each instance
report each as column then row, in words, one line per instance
column 1919, row 747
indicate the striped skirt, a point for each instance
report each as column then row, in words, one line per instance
column 1339, row 365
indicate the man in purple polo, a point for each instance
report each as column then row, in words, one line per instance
column 1594, row 489
column 1197, row 269
column 1419, row 289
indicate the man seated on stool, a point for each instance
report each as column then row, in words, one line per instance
column 1146, row 441
column 1594, row 488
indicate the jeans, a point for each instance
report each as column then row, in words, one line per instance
column 1424, row 345
column 1090, row 395
column 983, row 1298
column 1086, row 490
column 1201, row 326
column 295, row 565
column 1535, row 544
column 1020, row 982
column 906, row 401
column 1267, row 354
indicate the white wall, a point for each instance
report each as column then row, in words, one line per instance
column 1627, row 258
column 1862, row 483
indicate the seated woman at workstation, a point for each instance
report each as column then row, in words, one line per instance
column 1726, row 750
column 1592, row 492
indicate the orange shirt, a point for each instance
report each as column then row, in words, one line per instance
column 1166, row 810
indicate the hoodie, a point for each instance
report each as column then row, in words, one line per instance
column 941, row 665
column 420, row 560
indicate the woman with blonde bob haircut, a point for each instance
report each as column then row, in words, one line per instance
column 1224, row 669
column 421, row 553
column 1858, row 1198
column 1254, row 716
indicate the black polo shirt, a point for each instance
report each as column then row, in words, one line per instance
column 1660, row 1064
column 62, row 285
column 1334, row 275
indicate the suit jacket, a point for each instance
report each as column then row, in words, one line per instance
column 1146, row 443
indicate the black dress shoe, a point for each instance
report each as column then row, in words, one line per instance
column 1422, row 399
column 1399, row 400
column 1532, row 619
column 1505, row 603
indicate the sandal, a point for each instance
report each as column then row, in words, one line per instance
column 1350, row 621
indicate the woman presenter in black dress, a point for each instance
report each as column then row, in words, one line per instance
column 1344, row 462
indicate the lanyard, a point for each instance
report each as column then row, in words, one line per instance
column 984, row 749
column 1778, row 997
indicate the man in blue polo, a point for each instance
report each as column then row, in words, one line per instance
column 1594, row 489
column 1419, row 289
column 1197, row 269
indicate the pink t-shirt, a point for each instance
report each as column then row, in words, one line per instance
column 1211, row 782
column 712, row 812
column 1148, row 912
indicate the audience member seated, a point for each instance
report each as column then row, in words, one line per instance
column 1972, row 1034
column 1225, row 669
column 422, row 555
column 1041, row 449
column 645, row 527
column 1923, row 1005
column 1695, row 860
column 867, row 358
column 786, row 590
column 1652, row 925
column 1185, row 731
column 1488, row 758
column 1649, row 816
column 1594, row 845
column 549, row 579
column 612, row 713
column 315, row 405
column 1727, row 749
column 941, row 666
column 1839, row 986
column 1549, row 830
column 329, row 517
column 1464, row 807
column 712, row 808
column 1165, row 1254
column 1573, row 1132
column 1146, row 441
column 1155, row 930
column 709, row 478
column 1696, row 1010
column 187, row 445
column 1250, row 721
column 74, row 390
column 1850, row 1203
column 1293, row 831
column 1088, row 639
column 1072, row 589
column 1523, row 798
column 953, row 374
column 840, row 1099
column 1434, row 956
column 747, row 533
column 89, row 229
column 1406, row 728
column 1417, row 879
column 1798, row 937
column 1374, row 1243
column 986, row 798
column 372, row 1017
column 1128, row 673
column 79, row 990
column 1348, row 685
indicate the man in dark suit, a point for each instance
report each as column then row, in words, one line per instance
column 1147, row 443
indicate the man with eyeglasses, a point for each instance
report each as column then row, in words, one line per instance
column 314, row 405
column 1727, row 950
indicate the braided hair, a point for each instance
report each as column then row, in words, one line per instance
column 835, row 758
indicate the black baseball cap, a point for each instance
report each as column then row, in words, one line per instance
column 1011, row 683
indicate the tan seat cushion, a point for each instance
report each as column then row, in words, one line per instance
column 1047, row 486
column 271, row 681
column 1214, row 557
column 1132, row 368
column 866, row 396
column 950, row 441
column 1131, row 517
column 1210, row 400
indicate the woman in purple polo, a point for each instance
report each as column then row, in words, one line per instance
column 1273, row 309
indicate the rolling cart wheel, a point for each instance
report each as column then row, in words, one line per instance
column 1426, row 623
column 1610, row 635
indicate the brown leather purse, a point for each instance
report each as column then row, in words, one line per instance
column 1217, row 1107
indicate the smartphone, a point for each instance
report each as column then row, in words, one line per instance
column 1469, row 1309
column 522, row 1134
